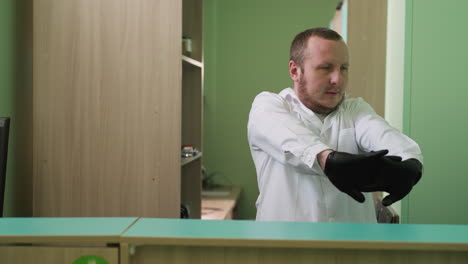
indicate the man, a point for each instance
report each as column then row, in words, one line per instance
column 318, row 155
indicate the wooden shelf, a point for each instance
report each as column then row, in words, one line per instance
column 185, row 161
column 222, row 193
column 192, row 61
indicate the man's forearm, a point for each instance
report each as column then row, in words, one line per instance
column 322, row 157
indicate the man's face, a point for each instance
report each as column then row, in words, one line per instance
column 321, row 83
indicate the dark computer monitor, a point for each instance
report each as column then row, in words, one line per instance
column 4, row 130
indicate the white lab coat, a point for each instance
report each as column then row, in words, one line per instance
column 285, row 138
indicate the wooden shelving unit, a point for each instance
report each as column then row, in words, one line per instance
column 125, row 170
column 192, row 106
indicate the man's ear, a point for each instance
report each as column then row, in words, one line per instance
column 295, row 71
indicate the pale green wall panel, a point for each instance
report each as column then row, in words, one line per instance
column 246, row 52
column 437, row 113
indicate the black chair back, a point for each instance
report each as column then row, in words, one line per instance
column 4, row 131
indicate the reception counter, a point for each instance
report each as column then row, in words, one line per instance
column 195, row 241
column 145, row 240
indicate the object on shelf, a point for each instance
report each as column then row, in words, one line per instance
column 184, row 211
column 189, row 151
column 187, row 46
column 185, row 161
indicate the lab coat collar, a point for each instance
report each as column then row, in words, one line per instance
column 297, row 106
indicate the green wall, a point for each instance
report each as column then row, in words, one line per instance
column 246, row 51
column 16, row 102
column 436, row 108
column 7, row 66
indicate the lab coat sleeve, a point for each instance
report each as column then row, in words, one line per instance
column 374, row 133
column 274, row 129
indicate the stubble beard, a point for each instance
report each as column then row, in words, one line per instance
column 315, row 107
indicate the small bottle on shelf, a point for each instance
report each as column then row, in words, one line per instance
column 187, row 46
column 187, row 151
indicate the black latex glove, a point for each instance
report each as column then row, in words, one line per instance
column 378, row 176
column 351, row 173
column 398, row 178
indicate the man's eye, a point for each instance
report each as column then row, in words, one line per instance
column 344, row 68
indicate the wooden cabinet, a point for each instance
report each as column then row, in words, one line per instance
column 62, row 240
column 114, row 101
column 58, row 254
column 107, row 106
column 192, row 104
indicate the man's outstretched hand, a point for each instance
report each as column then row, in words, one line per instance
column 372, row 172
column 398, row 178
column 353, row 173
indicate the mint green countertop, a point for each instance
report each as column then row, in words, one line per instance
column 89, row 229
column 294, row 234
column 237, row 233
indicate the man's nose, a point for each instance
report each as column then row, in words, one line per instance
column 335, row 77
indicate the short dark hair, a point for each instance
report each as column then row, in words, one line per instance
column 299, row 44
